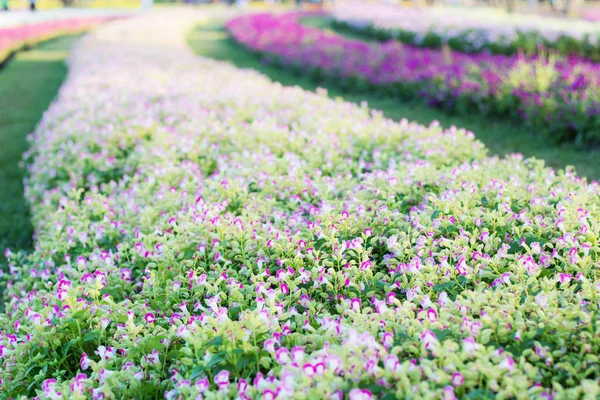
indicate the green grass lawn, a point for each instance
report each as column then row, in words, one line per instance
column 500, row 137
column 28, row 83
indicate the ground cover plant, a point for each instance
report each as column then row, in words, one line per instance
column 15, row 38
column 215, row 235
column 470, row 30
column 555, row 96
column 210, row 39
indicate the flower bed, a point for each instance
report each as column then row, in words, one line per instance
column 559, row 97
column 205, row 233
column 16, row 38
column 471, row 30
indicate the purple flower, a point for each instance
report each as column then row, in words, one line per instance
column 432, row 315
column 222, row 379
column 360, row 394
column 149, row 317
column 355, row 304
column 458, row 379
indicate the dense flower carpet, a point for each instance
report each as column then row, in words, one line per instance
column 471, row 30
column 557, row 96
column 202, row 232
column 14, row 38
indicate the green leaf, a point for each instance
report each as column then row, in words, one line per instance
column 92, row 336
column 65, row 348
column 218, row 341
column 216, row 359
column 197, row 371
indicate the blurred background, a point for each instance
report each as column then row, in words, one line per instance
column 586, row 9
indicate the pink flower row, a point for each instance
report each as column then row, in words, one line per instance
column 15, row 38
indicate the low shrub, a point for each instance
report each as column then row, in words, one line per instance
column 16, row 38
column 205, row 233
column 470, row 30
column 556, row 96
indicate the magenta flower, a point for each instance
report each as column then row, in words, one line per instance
column 508, row 363
column 432, row 315
column 202, row 385
column 355, row 304
column 311, row 370
column 269, row 394
column 282, row 355
column 391, row 363
column 448, row 393
column 565, row 278
column 387, row 339
column 149, row 317
column 458, row 379
column 360, row 394
column 85, row 362
column 222, row 379
column 48, row 388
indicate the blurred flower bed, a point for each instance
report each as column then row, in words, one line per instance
column 471, row 30
column 205, row 233
column 557, row 96
column 18, row 37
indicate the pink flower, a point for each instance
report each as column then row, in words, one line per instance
column 49, row 391
column 149, row 317
column 458, row 379
column 366, row 265
column 311, row 370
column 428, row 338
column 529, row 264
column 269, row 345
column 360, row 394
column 484, row 236
column 222, row 379
column 297, row 353
column 81, row 261
column 282, row 355
column 242, row 385
column 355, row 304
column 470, row 345
column 448, row 393
column 508, row 363
column 391, row 363
column 202, row 385
column 391, row 297
column 388, row 339
column 85, row 362
column 542, row 300
column 432, row 315
column 565, row 278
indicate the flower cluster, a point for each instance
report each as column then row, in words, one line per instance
column 470, row 30
column 15, row 38
column 558, row 97
column 203, row 232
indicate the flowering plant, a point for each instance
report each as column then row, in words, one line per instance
column 15, row 38
column 470, row 30
column 203, row 232
column 556, row 96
